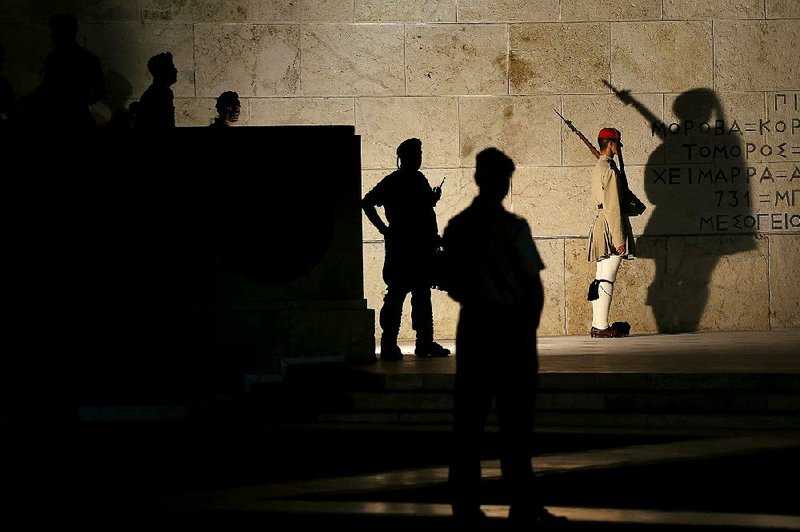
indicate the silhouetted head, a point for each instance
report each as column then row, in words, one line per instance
column 696, row 105
column 409, row 154
column 63, row 28
column 228, row 107
column 162, row 68
column 227, row 100
column 493, row 170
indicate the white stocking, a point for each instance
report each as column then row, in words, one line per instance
column 607, row 270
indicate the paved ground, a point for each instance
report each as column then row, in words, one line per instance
column 729, row 351
column 236, row 472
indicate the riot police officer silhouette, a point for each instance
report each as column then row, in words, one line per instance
column 411, row 238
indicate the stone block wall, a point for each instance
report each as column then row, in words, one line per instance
column 712, row 138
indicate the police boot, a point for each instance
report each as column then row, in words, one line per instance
column 389, row 349
column 430, row 349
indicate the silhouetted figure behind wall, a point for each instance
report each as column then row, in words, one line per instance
column 492, row 269
column 156, row 109
column 73, row 80
column 228, row 109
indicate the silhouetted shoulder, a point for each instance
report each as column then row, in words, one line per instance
column 518, row 220
column 382, row 192
column 394, row 176
column 526, row 246
column 458, row 220
column 465, row 221
column 513, row 222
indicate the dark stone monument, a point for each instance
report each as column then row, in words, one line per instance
column 150, row 266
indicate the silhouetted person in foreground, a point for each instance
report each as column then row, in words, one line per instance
column 411, row 238
column 73, row 80
column 228, row 109
column 156, row 109
column 7, row 103
column 492, row 269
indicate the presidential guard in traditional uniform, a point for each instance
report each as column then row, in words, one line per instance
column 611, row 236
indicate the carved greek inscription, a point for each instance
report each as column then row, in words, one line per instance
column 720, row 128
column 782, row 102
column 739, row 175
column 758, row 222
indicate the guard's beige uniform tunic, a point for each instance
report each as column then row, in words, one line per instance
column 611, row 228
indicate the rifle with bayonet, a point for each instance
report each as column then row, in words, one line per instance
column 580, row 135
column 631, row 205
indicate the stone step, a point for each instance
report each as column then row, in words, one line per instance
column 606, row 420
column 774, row 382
column 635, row 401
column 710, row 400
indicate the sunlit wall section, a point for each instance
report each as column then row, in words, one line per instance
column 708, row 109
